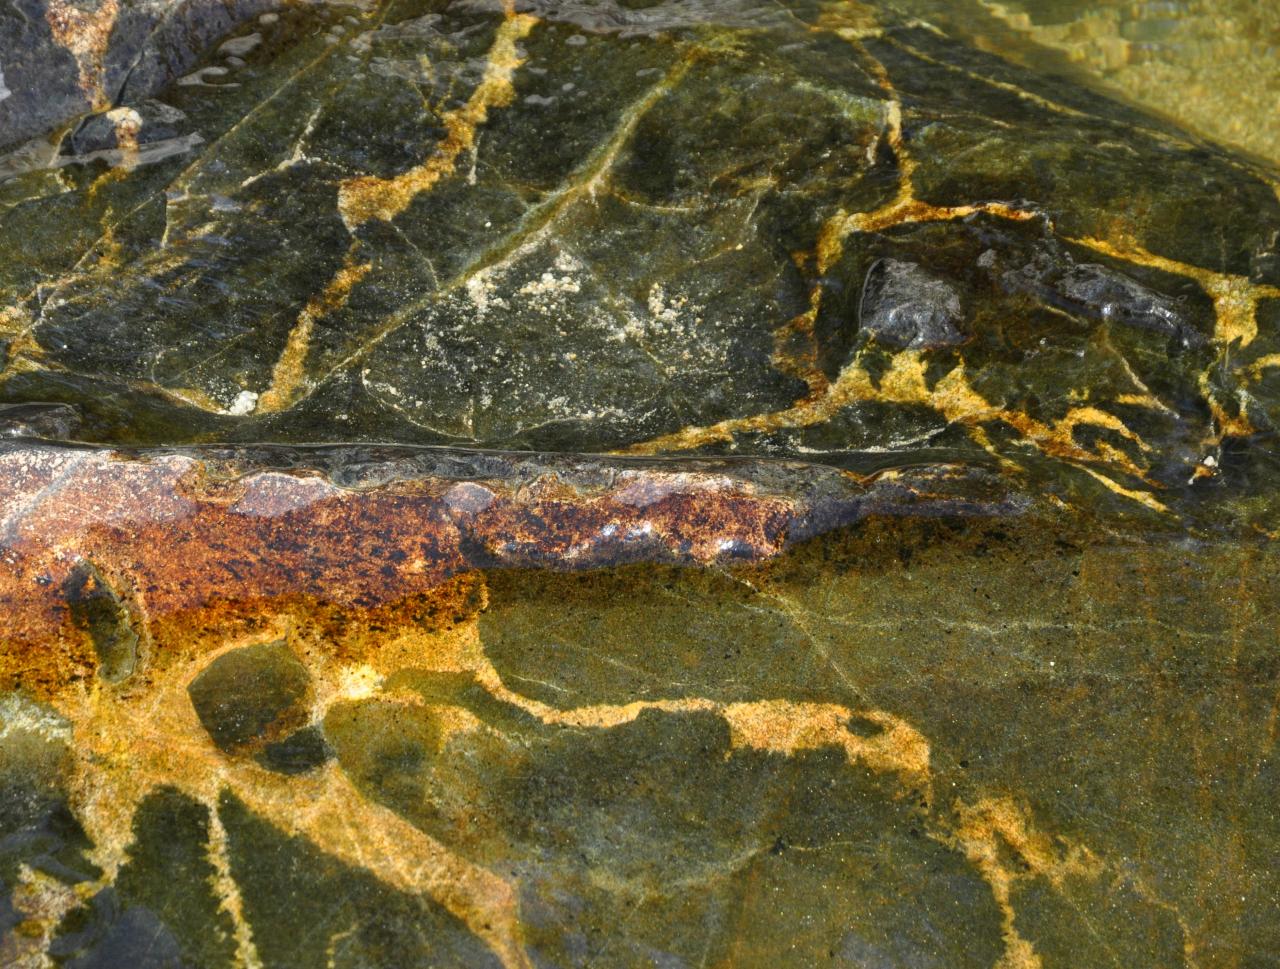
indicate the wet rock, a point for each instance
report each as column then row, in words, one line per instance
column 251, row 696
column 63, row 58
column 930, row 539
column 49, row 421
column 904, row 306
column 98, row 610
column 330, row 266
column 1097, row 292
column 1114, row 296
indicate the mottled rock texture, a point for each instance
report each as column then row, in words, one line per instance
column 61, row 59
column 923, row 613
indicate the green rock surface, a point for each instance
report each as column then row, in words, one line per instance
column 1022, row 714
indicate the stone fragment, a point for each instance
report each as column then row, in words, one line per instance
column 904, row 306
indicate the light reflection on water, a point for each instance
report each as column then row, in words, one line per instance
column 1211, row 65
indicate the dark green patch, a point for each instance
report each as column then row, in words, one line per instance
column 643, row 634
column 249, row 696
column 97, row 609
column 161, row 909
column 301, row 751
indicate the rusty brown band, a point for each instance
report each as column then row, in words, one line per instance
column 178, row 532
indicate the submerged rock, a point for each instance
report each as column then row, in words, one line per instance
column 939, row 523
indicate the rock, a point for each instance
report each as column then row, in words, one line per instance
column 626, row 483
column 1114, row 296
column 96, row 608
column 905, row 307
column 63, row 58
column 47, row 421
column 250, row 697
column 331, row 266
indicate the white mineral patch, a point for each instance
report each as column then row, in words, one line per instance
column 244, row 403
column 550, row 283
column 484, row 293
column 479, row 289
column 126, row 121
column 659, row 308
column 4, row 91
column 19, row 715
column 239, row 46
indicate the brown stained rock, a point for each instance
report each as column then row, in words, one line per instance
column 193, row 536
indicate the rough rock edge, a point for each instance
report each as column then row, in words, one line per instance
column 150, row 42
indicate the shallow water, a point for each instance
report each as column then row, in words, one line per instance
column 1211, row 65
column 924, row 614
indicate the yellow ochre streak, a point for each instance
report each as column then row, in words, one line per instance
column 288, row 374
column 368, row 197
column 85, row 34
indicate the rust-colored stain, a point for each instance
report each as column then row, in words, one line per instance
column 124, row 577
column 183, row 538
column 175, row 539
column 85, row 34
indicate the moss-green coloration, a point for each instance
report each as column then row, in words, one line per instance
column 973, row 663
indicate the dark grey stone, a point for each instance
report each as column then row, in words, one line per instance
column 904, row 306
